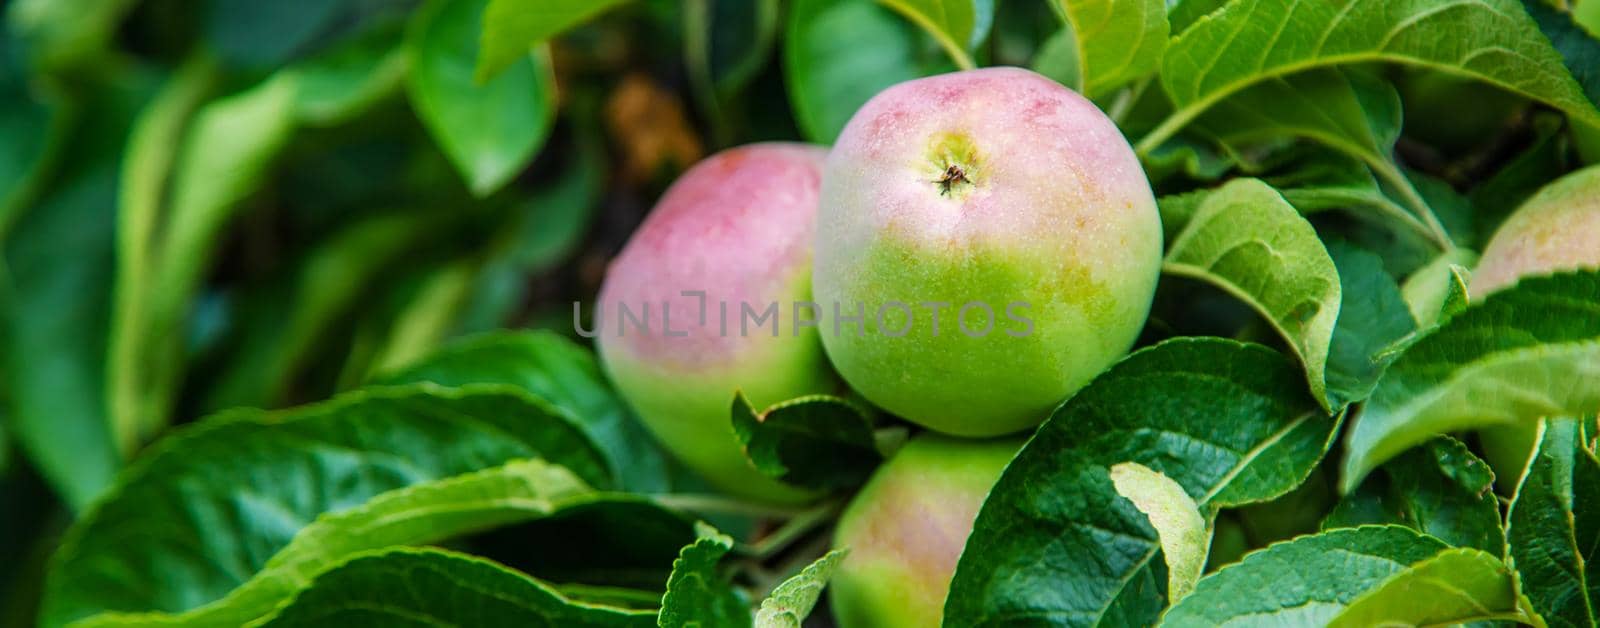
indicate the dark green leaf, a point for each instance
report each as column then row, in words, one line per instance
column 561, row 372
column 1055, row 544
column 1522, row 354
column 489, row 130
column 1579, row 48
column 55, row 310
column 1553, row 527
column 1439, row 489
column 430, row 587
column 817, row 442
column 210, row 506
column 697, row 593
column 1372, row 317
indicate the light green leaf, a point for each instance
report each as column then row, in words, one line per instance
column 426, row 316
column 697, row 594
column 816, row 441
column 441, row 588
column 555, row 369
column 1440, row 288
column 1185, row 537
column 1117, row 41
column 182, row 182
column 419, row 514
column 958, row 25
column 1304, row 582
column 1439, row 489
column 1247, row 240
column 1553, row 527
column 1525, row 353
column 837, row 54
column 211, row 505
column 793, row 599
column 489, row 130
column 511, row 28
column 1057, row 59
column 1056, row 544
column 1456, row 586
column 1248, row 41
column 338, row 84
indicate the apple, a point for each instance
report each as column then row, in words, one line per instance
column 698, row 305
column 1556, row 229
column 906, row 528
column 986, row 244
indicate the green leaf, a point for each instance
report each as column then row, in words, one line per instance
column 1439, row 290
column 1372, row 317
column 1439, row 489
column 958, row 25
column 35, row 129
column 697, row 595
column 56, row 266
column 1304, row 582
column 1350, row 111
column 212, row 504
column 1579, row 48
column 1456, row 586
column 1522, row 354
column 1117, row 41
column 1248, row 41
column 326, row 288
column 183, row 180
column 431, row 587
column 59, row 34
column 1545, row 159
column 837, row 54
column 1248, row 241
column 817, row 441
column 489, row 130
column 1185, row 537
column 555, row 369
column 1553, row 526
column 1056, row 544
column 1057, row 59
column 342, row 82
column 512, row 27
column 422, row 513
column 792, row 600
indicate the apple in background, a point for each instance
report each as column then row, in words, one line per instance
column 997, row 238
column 1556, row 229
column 906, row 528
column 680, row 316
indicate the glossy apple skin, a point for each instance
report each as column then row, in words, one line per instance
column 1051, row 209
column 906, row 528
column 1556, row 229
column 738, row 226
